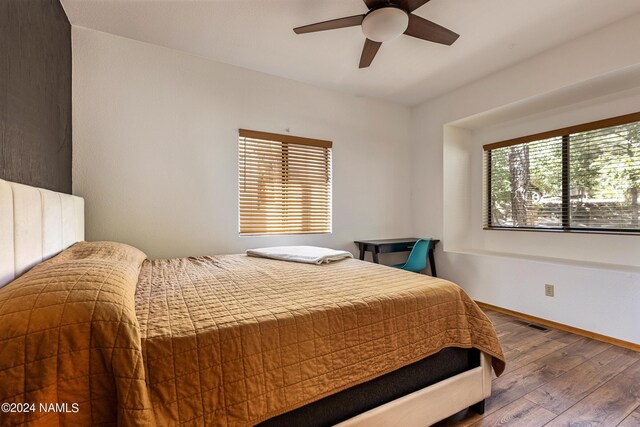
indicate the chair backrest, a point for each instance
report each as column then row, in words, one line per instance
column 418, row 257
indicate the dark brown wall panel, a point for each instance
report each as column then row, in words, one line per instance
column 35, row 94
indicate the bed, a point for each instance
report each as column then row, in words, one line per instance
column 223, row 340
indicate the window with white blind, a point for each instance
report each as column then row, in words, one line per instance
column 581, row 178
column 284, row 184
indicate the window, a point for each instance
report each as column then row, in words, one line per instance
column 582, row 178
column 284, row 184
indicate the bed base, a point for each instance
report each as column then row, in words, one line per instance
column 432, row 404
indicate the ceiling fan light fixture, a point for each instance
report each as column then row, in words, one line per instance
column 385, row 24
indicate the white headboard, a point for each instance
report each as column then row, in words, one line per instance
column 35, row 224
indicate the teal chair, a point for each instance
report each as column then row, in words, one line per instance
column 417, row 258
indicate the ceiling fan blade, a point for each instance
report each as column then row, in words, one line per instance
column 430, row 31
column 410, row 5
column 349, row 21
column 369, row 52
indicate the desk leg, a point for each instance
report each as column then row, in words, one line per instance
column 375, row 251
column 432, row 261
column 361, row 247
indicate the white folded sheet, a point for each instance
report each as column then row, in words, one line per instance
column 306, row 254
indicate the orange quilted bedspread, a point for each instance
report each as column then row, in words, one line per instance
column 226, row 340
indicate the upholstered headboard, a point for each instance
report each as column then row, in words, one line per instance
column 35, row 224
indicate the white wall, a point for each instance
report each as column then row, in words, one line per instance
column 597, row 278
column 156, row 157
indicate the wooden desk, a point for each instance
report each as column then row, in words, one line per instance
column 395, row 245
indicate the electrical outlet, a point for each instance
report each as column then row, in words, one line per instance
column 548, row 290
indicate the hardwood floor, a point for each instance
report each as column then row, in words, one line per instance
column 555, row 378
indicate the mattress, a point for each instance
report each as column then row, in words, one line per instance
column 116, row 339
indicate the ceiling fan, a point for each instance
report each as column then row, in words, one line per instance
column 386, row 20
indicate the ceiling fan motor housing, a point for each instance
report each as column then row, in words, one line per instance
column 385, row 23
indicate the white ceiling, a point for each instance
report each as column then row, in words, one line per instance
column 257, row 34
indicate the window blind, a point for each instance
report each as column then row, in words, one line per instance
column 526, row 185
column 582, row 178
column 284, row 184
